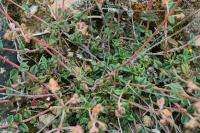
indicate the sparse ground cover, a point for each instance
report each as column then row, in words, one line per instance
column 100, row 66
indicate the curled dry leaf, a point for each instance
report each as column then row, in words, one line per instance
column 192, row 86
column 161, row 102
column 166, row 117
column 173, row 41
column 96, row 110
column 10, row 35
column 53, row 85
column 84, row 85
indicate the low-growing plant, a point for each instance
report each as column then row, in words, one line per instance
column 99, row 68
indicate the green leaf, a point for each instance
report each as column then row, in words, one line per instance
column 18, row 117
column 175, row 87
column 34, row 69
column 170, row 5
column 130, row 117
column 171, row 19
column 157, row 64
column 27, row 113
column 33, row 121
column 10, row 119
column 184, row 119
column 118, row 91
column 25, row 7
column 170, row 28
column 24, row 67
column 192, row 43
column 23, row 127
column 14, row 73
column 1, row 44
column 191, row 109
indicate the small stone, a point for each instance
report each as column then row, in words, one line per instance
column 70, row 54
column 2, row 70
column 33, row 9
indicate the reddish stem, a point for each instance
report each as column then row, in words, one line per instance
column 20, row 51
column 5, row 101
column 18, row 67
column 3, row 89
column 149, row 9
column 63, row 5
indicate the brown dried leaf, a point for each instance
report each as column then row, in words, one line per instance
column 166, row 113
column 10, row 35
column 84, row 85
column 173, row 41
column 53, row 85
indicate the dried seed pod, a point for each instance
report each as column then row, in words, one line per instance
column 147, row 121
column 120, row 111
column 53, row 85
column 96, row 110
